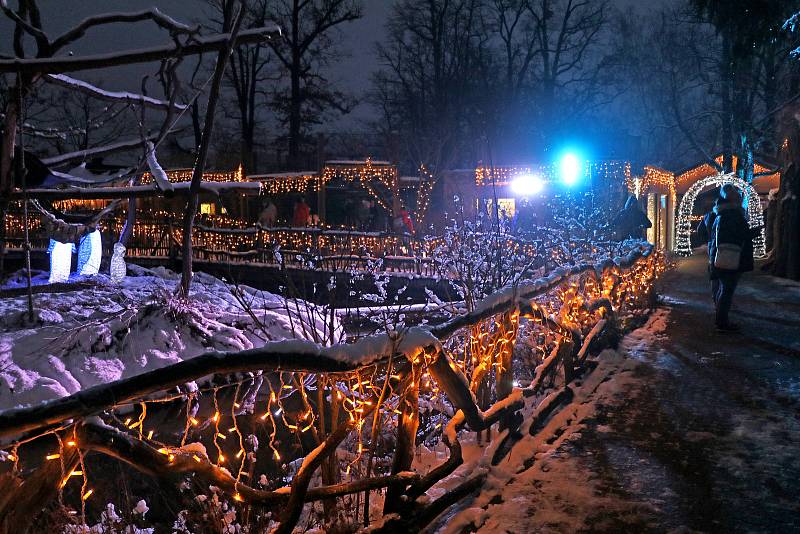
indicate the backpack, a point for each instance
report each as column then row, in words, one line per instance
column 728, row 256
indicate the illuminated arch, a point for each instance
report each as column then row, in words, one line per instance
column 755, row 213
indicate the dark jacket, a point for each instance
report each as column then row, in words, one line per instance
column 730, row 226
column 631, row 221
column 705, row 226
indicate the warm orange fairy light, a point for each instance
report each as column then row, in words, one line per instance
column 87, row 494
column 52, row 456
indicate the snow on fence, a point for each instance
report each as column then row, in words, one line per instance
column 355, row 412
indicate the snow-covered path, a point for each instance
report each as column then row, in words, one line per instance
column 685, row 429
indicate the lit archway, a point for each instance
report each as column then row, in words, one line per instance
column 755, row 213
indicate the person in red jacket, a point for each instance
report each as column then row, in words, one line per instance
column 301, row 213
column 407, row 219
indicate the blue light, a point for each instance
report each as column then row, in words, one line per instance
column 571, row 169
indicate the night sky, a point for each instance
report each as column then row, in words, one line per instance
column 352, row 73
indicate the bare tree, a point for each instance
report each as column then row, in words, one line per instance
column 308, row 46
column 233, row 16
column 426, row 86
column 251, row 68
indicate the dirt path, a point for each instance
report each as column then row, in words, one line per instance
column 684, row 430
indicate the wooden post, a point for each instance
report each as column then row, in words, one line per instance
column 504, row 383
column 406, row 441
column 23, row 500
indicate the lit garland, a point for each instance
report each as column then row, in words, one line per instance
column 705, row 170
column 503, row 176
column 654, row 177
column 755, row 212
column 424, row 189
column 499, row 175
column 288, row 183
column 185, row 175
column 361, row 171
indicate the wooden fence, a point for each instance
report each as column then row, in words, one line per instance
column 338, row 402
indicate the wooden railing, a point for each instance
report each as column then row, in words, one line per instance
column 342, row 397
column 327, row 249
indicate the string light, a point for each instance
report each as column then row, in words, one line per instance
column 755, row 213
column 503, row 176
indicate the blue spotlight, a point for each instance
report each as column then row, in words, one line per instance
column 571, row 169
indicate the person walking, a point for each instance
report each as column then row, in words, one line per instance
column 730, row 252
column 631, row 222
column 302, row 211
column 704, row 230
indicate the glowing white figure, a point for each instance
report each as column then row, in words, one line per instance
column 90, row 252
column 118, row 267
column 60, row 261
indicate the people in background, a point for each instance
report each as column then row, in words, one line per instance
column 269, row 213
column 631, row 222
column 730, row 252
column 302, row 211
column 402, row 223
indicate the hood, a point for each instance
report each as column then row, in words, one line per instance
column 727, row 205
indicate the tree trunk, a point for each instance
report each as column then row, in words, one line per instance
column 787, row 225
column 294, row 119
column 406, row 442
column 200, row 162
column 726, row 72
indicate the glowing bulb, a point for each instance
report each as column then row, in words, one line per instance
column 527, row 185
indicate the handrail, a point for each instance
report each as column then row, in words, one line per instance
column 602, row 290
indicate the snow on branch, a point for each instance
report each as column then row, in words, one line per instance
column 160, row 177
column 116, row 96
column 143, row 55
column 286, row 355
column 83, row 155
column 153, row 14
column 138, row 191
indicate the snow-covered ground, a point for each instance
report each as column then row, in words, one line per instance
column 539, row 487
column 96, row 332
column 682, row 429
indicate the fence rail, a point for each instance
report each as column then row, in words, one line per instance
column 342, row 397
column 310, row 247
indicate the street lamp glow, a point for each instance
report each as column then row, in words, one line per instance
column 527, row 185
column 570, row 168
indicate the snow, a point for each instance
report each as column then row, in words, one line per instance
column 159, row 176
column 97, row 332
column 537, row 487
column 124, row 191
column 67, row 81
